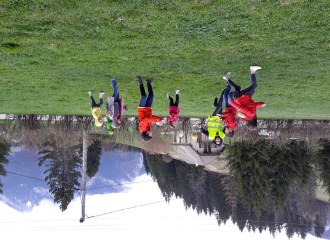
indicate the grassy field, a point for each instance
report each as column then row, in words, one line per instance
column 52, row 52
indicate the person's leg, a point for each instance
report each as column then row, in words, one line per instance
column 115, row 90
column 218, row 110
column 101, row 103
column 226, row 96
column 151, row 94
column 93, row 101
column 176, row 100
column 143, row 96
column 252, row 89
column 233, row 85
column 171, row 101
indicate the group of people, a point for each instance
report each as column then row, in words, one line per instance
column 220, row 124
column 223, row 124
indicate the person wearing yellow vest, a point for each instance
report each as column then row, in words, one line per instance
column 96, row 109
column 215, row 125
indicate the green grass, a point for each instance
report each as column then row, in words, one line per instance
column 53, row 51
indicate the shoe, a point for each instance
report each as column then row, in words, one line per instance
column 150, row 80
column 168, row 95
column 255, row 68
column 90, row 94
column 101, row 94
column 215, row 103
column 177, row 91
column 139, row 79
column 227, row 76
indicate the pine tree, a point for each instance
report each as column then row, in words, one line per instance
column 4, row 150
column 62, row 173
column 94, row 153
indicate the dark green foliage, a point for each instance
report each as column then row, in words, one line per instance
column 62, row 173
column 4, row 150
column 263, row 170
column 94, row 153
column 323, row 163
column 203, row 191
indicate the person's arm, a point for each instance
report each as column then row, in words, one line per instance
column 206, row 133
column 260, row 104
column 246, row 111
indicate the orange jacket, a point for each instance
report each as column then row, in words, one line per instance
column 146, row 118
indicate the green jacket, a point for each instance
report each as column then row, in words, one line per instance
column 214, row 126
column 109, row 127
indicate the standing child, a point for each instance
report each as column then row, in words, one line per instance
column 229, row 116
column 96, row 109
column 244, row 102
column 145, row 112
column 173, row 110
column 115, row 108
column 214, row 123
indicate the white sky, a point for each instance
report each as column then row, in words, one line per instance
column 159, row 221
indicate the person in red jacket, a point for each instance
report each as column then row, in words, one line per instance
column 244, row 102
column 173, row 110
column 229, row 116
column 146, row 119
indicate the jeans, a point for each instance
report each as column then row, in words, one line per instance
column 94, row 103
column 176, row 101
column 115, row 91
column 146, row 102
column 227, row 96
column 247, row 91
column 218, row 109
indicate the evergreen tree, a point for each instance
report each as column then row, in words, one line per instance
column 4, row 150
column 323, row 162
column 94, row 153
column 62, row 173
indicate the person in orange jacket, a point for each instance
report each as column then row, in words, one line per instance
column 146, row 119
column 244, row 102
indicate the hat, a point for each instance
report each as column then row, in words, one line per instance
column 111, row 132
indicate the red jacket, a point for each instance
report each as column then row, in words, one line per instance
column 246, row 105
column 230, row 117
column 146, row 118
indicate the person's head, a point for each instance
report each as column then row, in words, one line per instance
column 173, row 124
column 218, row 141
column 125, row 108
column 118, row 121
column 252, row 124
column 229, row 132
column 99, row 122
column 146, row 136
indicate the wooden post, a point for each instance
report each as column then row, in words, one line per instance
column 84, row 169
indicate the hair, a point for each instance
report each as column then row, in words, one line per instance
column 231, row 134
column 145, row 137
column 171, row 125
column 118, row 125
column 252, row 124
column 221, row 141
